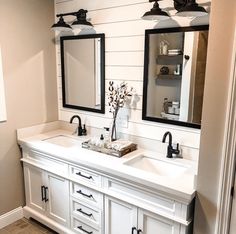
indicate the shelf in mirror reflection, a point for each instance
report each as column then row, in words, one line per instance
column 169, row 116
column 168, row 77
column 169, row 59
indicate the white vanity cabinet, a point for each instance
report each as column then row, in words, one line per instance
column 71, row 198
column 34, row 180
column 149, row 223
column 58, row 199
column 129, row 209
column 122, row 217
column 47, row 194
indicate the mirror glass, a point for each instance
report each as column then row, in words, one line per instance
column 83, row 82
column 174, row 75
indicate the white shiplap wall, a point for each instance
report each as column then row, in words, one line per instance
column 124, row 31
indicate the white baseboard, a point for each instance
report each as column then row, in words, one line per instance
column 11, row 217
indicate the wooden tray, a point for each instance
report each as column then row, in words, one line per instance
column 112, row 152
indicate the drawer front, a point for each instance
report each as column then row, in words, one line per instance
column 90, row 215
column 147, row 200
column 87, row 195
column 80, row 227
column 51, row 164
column 82, row 174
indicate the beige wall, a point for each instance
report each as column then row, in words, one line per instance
column 222, row 23
column 29, row 68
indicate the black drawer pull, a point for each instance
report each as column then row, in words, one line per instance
column 133, row 229
column 139, row 231
column 81, row 228
column 46, row 189
column 87, row 177
column 81, row 211
column 86, row 195
column 43, row 193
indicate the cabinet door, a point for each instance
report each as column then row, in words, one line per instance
column 150, row 223
column 57, row 193
column 120, row 217
column 34, row 188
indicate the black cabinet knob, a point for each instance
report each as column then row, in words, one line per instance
column 187, row 57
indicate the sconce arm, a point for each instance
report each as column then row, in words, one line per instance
column 76, row 13
column 178, row 4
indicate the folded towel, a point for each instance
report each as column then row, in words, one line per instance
column 119, row 144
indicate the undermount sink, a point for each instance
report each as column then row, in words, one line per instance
column 64, row 141
column 157, row 166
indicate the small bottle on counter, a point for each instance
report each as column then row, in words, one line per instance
column 101, row 141
column 106, row 133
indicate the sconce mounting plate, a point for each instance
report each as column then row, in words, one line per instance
column 177, row 3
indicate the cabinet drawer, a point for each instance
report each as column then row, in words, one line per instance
column 91, row 216
column 48, row 163
column 80, row 227
column 141, row 198
column 82, row 174
column 87, row 195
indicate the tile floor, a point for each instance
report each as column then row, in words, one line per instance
column 25, row 226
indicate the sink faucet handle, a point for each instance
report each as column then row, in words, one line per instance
column 177, row 152
column 177, row 146
column 84, row 130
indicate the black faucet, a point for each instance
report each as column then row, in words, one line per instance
column 79, row 130
column 170, row 149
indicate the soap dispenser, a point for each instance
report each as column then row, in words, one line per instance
column 101, row 142
column 106, row 135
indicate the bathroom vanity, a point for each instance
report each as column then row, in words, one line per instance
column 74, row 190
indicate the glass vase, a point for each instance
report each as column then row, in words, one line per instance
column 113, row 127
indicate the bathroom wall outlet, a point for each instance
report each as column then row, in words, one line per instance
column 123, row 121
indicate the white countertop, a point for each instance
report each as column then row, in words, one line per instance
column 181, row 187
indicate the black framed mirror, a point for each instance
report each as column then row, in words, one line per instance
column 174, row 75
column 83, row 72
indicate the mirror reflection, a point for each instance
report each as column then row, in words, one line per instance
column 174, row 75
column 83, row 72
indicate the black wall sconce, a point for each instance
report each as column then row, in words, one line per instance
column 80, row 22
column 185, row 8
